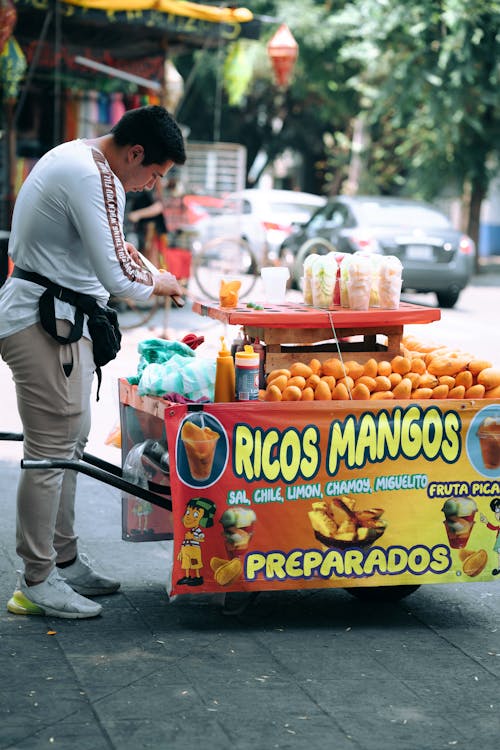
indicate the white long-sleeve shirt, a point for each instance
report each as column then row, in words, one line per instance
column 68, row 226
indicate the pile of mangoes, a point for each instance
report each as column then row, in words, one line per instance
column 419, row 372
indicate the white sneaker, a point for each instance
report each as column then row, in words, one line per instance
column 86, row 581
column 51, row 597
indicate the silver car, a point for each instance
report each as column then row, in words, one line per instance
column 435, row 256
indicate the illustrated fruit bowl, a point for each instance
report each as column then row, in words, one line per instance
column 337, row 525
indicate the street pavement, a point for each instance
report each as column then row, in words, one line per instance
column 294, row 670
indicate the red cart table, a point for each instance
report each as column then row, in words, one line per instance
column 294, row 328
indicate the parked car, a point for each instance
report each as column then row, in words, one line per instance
column 262, row 217
column 435, row 256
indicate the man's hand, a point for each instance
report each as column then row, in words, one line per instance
column 166, row 285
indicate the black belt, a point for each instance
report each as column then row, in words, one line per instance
column 83, row 303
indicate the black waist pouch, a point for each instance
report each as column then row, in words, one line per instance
column 102, row 321
column 105, row 334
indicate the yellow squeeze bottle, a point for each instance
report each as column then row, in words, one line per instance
column 224, row 375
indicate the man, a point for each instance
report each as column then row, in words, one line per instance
column 68, row 227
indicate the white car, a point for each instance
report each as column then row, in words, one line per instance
column 264, row 218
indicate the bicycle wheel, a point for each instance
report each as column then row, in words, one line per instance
column 227, row 259
column 316, row 245
column 136, row 314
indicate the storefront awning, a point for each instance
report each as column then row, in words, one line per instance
column 210, row 13
column 133, row 29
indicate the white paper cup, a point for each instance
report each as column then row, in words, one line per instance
column 274, row 279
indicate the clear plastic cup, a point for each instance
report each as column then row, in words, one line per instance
column 489, row 442
column 274, row 279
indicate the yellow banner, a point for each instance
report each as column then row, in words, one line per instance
column 316, row 495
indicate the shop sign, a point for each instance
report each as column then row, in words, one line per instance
column 316, row 495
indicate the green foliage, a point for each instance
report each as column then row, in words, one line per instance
column 238, row 70
column 423, row 76
column 431, row 86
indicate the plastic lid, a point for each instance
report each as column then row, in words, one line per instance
column 247, row 352
column 224, row 351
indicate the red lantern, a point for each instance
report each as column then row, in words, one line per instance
column 283, row 51
column 8, row 17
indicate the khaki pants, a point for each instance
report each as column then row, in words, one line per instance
column 55, row 412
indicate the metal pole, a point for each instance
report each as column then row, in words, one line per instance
column 34, row 65
column 56, row 137
column 218, row 93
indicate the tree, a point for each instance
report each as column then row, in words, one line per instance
column 311, row 117
column 429, row 85
column 416, row 83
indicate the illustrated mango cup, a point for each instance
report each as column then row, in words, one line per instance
column 489, row 442
column 459, row 520
column 200, row 444
column 238, row 528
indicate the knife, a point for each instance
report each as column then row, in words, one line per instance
column 178, row 301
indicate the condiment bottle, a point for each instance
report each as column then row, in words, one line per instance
column 238, row 343
column 224, row 375
column 260, row 349
column 247, row 374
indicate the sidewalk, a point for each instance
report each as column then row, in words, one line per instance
column 297, row 670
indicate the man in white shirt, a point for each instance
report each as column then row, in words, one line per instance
column 67, row 226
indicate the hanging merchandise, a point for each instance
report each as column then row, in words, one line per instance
column 85, row 123
column 103, row 105
column 8, row 17
column 12, row 68
column 93, row 112
column 134, row 101
column 117, row 107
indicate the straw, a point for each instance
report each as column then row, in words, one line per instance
column 332, row 326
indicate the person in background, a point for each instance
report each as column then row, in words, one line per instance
column 147, row 215
column 68, row 227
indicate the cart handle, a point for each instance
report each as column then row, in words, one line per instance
column 101, row 470
column 101, row 475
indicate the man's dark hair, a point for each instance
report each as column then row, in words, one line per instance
column 155, row 130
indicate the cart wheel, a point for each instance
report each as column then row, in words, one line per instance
column 381, row 593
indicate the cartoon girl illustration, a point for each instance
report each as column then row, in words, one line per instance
column 199, row 514
column 495, row 507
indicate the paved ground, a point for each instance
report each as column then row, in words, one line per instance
column 297, row 670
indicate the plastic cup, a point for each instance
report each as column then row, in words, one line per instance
column 274, row 279
column 237, row 545
column 489, row 441
column 200, row 456
column 459, row 530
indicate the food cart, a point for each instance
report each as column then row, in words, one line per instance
column 362, row 495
